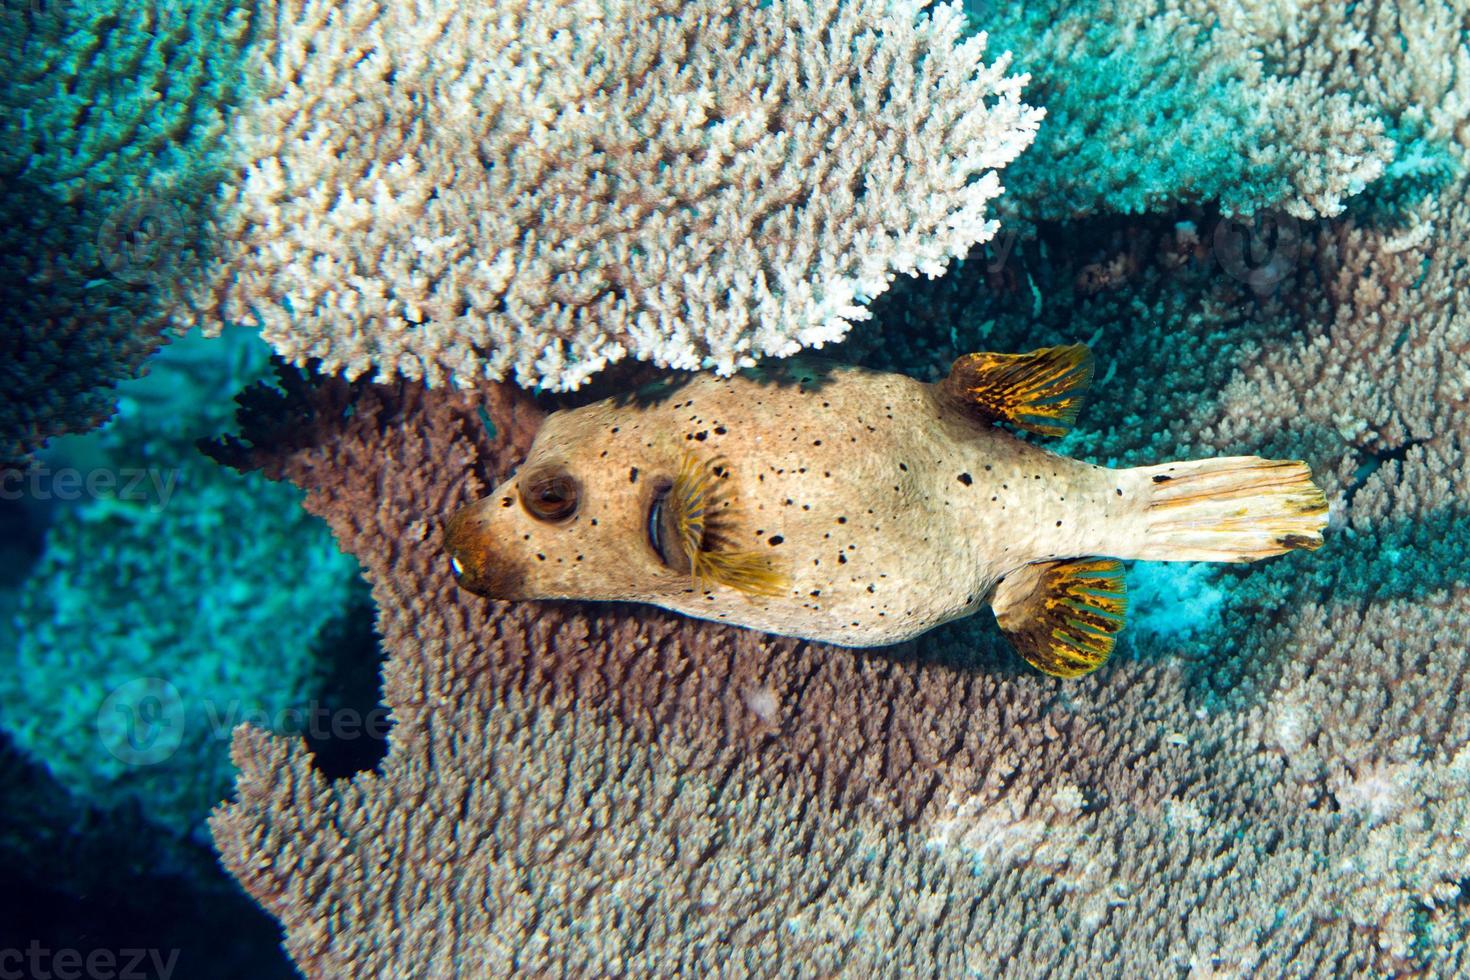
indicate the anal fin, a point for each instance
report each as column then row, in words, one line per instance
column 1063, row 617
column 1041, row 391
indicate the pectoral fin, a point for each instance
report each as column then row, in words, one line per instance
column 1063, row 616
column 1041, row 391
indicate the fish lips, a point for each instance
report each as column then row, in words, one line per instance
column 478, row 566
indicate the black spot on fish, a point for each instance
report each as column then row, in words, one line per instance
column 776, row 539
column 506, row 501
column 841, row 559
column 904, row 467
column 1119, row 491
column 965, row 478
column 843, row 520
column 815, row 593
column 871, row 587
column 816, row 442
column 702, row 436
column 1161, row 478
column 633, row 475
column 1059, row 523
column 719, row 430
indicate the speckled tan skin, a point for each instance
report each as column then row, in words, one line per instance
column 890, row 506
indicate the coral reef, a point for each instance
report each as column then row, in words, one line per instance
column 173, row 598
column 611, row 789
column 1281, row 789
column 1157, row 103
column 111, row 138
column 691, row 183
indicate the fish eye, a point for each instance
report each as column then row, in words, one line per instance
column 550, row 497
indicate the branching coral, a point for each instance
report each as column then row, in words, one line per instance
column 606, row 790
column 111, row 131
column 1154, row 103
column 172, row 600
column 457, row 190
column 593, row 788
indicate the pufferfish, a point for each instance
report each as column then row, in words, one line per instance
column 861, row 508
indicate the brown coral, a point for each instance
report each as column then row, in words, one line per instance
column 605, row 789
column 609, row 789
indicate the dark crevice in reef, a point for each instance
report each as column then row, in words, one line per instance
column 346, row 727
column 1371, row 461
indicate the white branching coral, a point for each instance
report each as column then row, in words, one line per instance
column 450, row 190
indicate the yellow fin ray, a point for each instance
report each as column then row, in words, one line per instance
column 1040, row 392
column 703, row 515
column 1063, row 617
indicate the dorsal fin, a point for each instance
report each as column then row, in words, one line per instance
column 1041, row 391
column 1063, row 616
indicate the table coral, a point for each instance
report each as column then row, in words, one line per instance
column 604, row 789
column 1157, row 103
column 591, row 789
column 455, row 191
column 111, row 141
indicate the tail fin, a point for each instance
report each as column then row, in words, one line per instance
column 1236, row 509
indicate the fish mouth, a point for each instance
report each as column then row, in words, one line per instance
column 473, row 559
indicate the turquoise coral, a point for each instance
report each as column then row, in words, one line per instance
column 1151, row 105
column 199, row 594
column 112, row 126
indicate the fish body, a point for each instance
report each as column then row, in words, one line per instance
column 859, row 508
